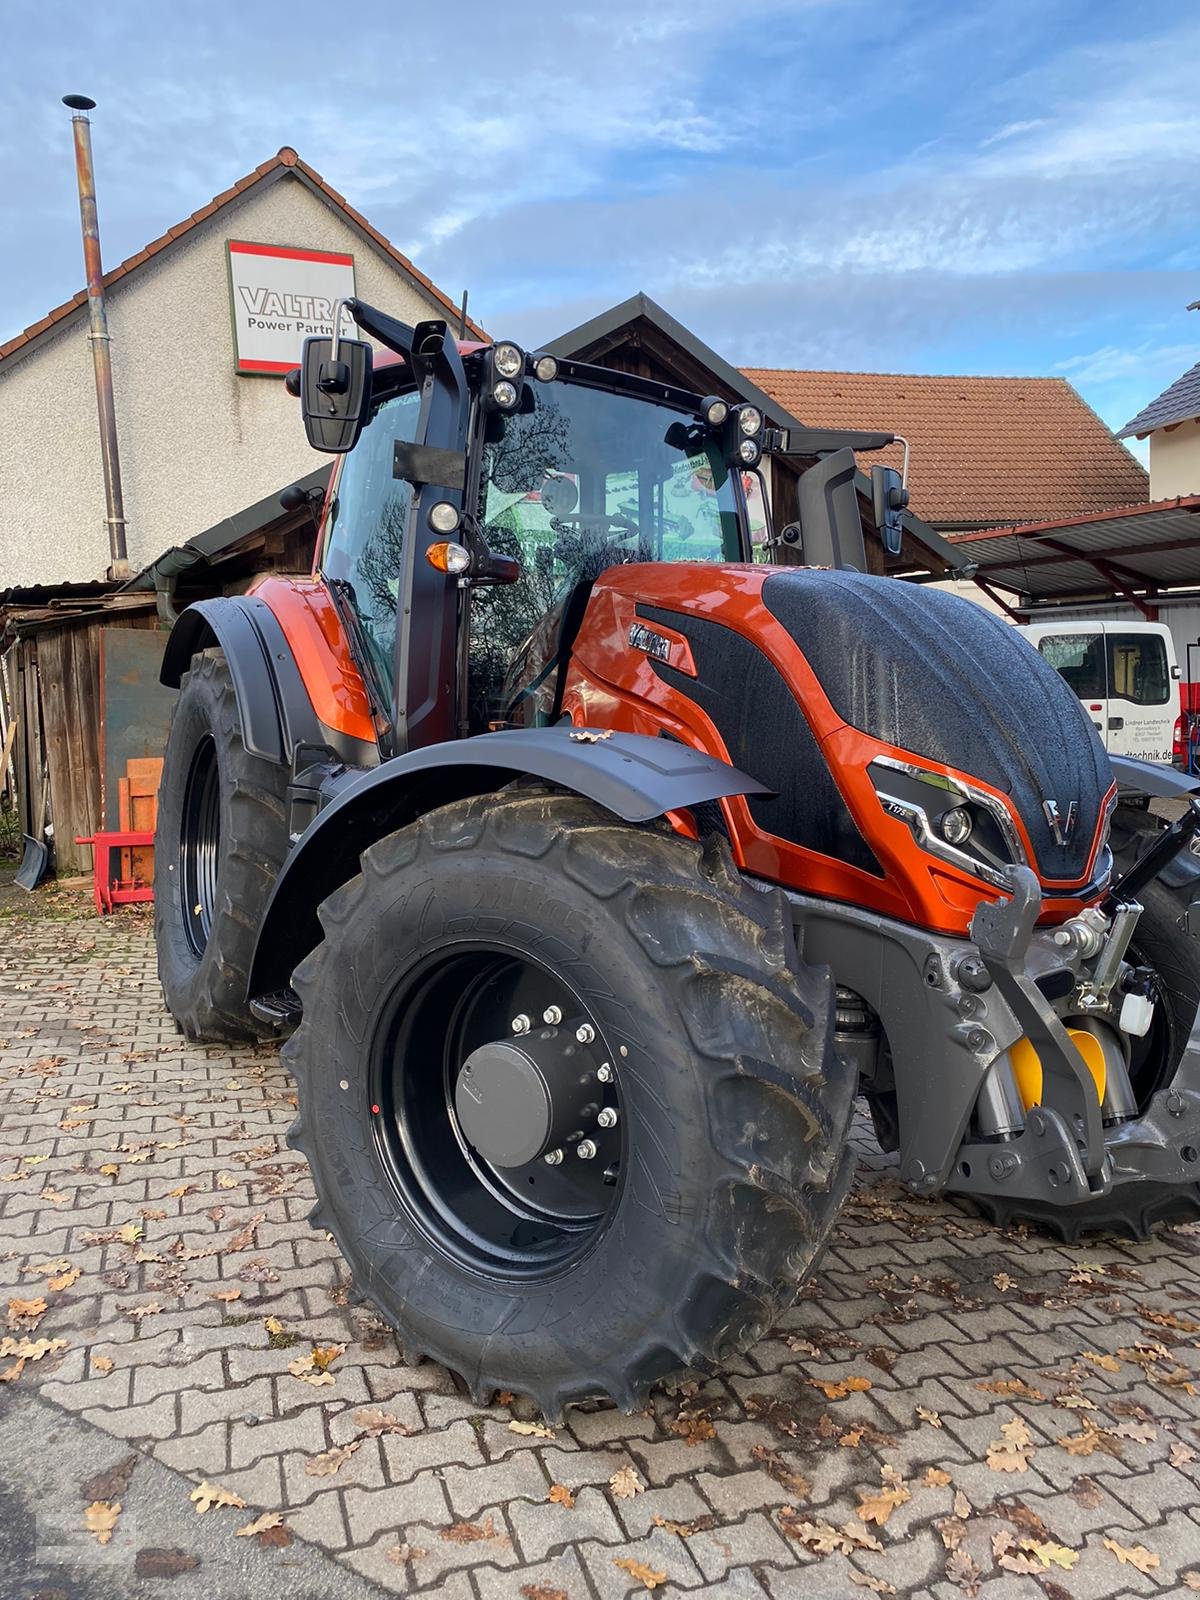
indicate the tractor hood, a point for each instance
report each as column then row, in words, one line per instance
column 937, row 676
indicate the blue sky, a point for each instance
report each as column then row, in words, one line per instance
column 894, row 185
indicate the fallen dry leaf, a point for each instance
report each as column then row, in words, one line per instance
column 1132, row 1555
column 561, row 1496
column 375, row 1422
column 100, row 1518
column 331, row 1461
column 935, row 1478
column 207, row 1495
column 1180, row 1454
column 473, row 1533
column 1012, row 1451
column 1013, row 1386
column 931, row 1417
column 839, row 1388
column 226, row 1181
column 646, row 1576
column 11, row 1374
column 535, row 1430
column 963, row 1573
column 64, row 1280
column 227, row 1295
column 1105, row 1362
column 269, row 1519
column 31, row 1349
column 626, row 1483
column 150, row 1309
column 879, row 1506
column 864, row 1580
column 130, row 1233
column 402, row 1554
column 26, row 1312
column 179, row 1192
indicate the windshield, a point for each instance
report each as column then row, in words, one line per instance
column 584, row 480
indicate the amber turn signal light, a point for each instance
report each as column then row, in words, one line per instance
column 449, row 557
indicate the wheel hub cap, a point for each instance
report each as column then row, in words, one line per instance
column 512, row 1100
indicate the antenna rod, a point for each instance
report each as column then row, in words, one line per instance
column 98, row 334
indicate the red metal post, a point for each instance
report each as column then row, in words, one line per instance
column 98, row 334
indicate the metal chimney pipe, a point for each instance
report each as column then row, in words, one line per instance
column 98, row 334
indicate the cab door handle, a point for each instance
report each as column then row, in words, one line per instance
column 1116, row 722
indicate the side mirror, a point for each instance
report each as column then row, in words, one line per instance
column 335, row 392
column 888, row 500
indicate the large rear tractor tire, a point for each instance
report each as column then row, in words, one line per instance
column 1162, row 942
column 220, row 841
column 569, row 1097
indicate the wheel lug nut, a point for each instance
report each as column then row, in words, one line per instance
column 585, row 1149
column 521, row 1024
column 604, row 1072
column 552, row 1014
column 607, row 1117
column 585, row 1033
column 553, row 1158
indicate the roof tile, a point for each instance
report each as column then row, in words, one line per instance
column 1178, row 403
column 984, row 451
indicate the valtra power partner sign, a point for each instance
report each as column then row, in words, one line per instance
column 280, row 297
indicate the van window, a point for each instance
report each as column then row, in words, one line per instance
column 1137, row 668
column 1079, row 659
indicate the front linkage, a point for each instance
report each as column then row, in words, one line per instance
column 959, row 1016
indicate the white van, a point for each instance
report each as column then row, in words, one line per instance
column 1125, row 676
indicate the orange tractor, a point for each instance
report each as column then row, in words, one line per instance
column 594, row 868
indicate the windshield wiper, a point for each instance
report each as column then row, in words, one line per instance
column 362, row 649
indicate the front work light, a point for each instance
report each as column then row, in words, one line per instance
column 956, row 825
column 749, row 452
column 545, row 368
column 505, row 394
column 444, row 517
column 750, row 421
column 448, row 557
column 714, row 410
column 507, row 360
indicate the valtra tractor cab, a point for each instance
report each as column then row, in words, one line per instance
column 594, row 866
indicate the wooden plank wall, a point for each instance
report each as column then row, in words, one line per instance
column 69, row 668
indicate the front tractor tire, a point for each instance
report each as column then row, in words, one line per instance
column 569, row 1099
column 218, row 846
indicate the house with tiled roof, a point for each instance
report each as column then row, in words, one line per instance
column 205, row 429
column 982, row 452
column 1171, row 422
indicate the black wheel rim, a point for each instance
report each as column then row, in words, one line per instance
column 524, row 1221
column 200, row 845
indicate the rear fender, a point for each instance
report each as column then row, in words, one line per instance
column 273, row 705
column 632, row 775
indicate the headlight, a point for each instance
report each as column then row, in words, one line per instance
column 507, row 360
column 505, row 394
column 950, row 819
column 956, row 825
column 749, row 452
column 750, row 420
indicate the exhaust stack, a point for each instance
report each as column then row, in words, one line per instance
column 80, row 105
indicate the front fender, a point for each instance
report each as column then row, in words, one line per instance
column 632, row 775
column 273, row 705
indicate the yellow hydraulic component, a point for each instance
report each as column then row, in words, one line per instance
column 1027, row 1067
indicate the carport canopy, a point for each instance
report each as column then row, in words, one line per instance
column 1137, row 554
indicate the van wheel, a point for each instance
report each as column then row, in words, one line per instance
column 218, row 846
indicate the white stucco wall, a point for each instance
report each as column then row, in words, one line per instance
column 1175, row 461
column 197, row 442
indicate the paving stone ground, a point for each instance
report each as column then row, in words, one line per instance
column 147, row 1195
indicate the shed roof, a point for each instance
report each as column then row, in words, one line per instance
column 984, row 451
column 283, row 163
column 1179, row 403
column 1136, row 554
